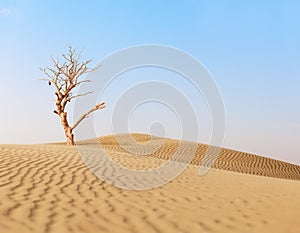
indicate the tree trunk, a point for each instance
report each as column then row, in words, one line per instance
column 69, row 136
column 68, row 130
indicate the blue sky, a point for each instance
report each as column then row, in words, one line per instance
column 250, row 47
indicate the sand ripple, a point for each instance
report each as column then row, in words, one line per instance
column 47, row 188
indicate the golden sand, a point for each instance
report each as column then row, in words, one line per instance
column 48, row 188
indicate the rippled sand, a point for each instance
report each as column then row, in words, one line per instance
column 48, row 188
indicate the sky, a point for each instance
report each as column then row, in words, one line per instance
column 251, row 48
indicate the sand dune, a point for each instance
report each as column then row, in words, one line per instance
column 48, row 188
column 229, row 160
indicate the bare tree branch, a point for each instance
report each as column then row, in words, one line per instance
column 86, row 115
column 75, row 96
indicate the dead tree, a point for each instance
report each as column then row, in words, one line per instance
column 65, row 76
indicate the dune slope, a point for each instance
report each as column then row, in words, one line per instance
column 229, row 160
column 48, row 188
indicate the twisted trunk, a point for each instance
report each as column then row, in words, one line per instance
column 67, row 128
column 69, row 136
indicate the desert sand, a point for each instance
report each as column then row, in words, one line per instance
column 48, row 188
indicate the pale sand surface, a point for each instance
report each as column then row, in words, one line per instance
column 48, row 188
